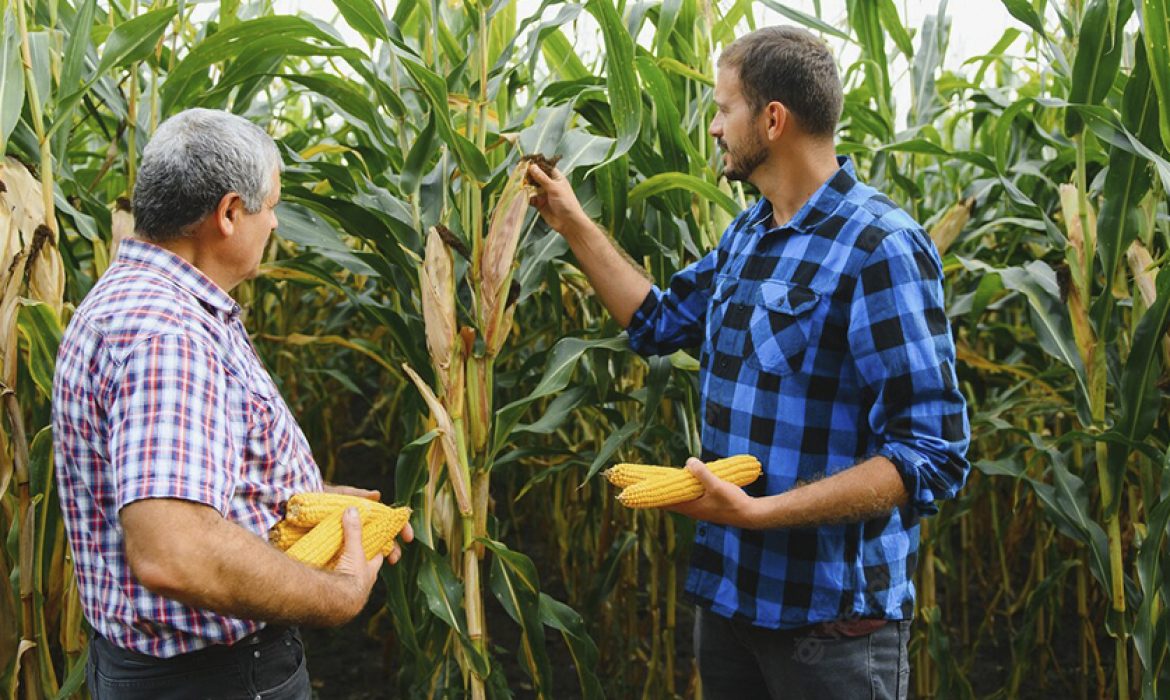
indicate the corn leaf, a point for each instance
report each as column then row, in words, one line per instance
column 1127, row 181
column 516, row 585
column 625, row 98
column 470, row 159
column 559, row 616
column 443, row 593
column 663, row 182
column 815, row 23
column 1156, row 34
column 1098, row 56
column 41, row 330
column 365, row 17
column 11, row 78
column 1023, row 11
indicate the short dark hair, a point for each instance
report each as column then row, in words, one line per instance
column 791, row 66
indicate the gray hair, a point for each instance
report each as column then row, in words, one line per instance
column 193, row 160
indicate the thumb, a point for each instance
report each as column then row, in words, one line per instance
column 351, row 530
column 705, row 476
column 537, row 174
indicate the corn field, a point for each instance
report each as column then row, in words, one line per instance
column 438, row 342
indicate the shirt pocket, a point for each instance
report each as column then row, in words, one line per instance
column 779, row 326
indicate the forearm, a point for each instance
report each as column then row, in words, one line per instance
column 210, row 563
column 619, row 282
column 245, row 577
column 865, row 491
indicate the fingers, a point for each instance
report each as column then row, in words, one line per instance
column 407, row 533
column 351, row 529
column 537, row 174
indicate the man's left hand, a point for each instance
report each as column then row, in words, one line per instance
column 722, row 502
column 353, row 491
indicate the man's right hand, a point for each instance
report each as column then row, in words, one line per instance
column 358, row 574
column 557, row 203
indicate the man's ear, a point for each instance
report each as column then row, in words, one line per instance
column 227, row 213
column 776, row 118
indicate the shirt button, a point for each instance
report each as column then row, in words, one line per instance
column 256, row 653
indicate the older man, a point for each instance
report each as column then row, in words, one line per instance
column 826, row 353
column 175, row 449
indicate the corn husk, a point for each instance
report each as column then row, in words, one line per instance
column 1078, row 255
column 121, row 225
column 494, row 265
column 479, row 400
column 456, row 471
column 947, row 229
column 437, row 285
column 1141, row 264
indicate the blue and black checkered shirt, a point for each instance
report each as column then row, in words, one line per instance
column 823, row 342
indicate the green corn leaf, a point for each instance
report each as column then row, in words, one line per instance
column 888, row 14
column 11, row 78
column 516, row 585
column 365, row 17
column 561, row 58
column 1156, row 34
column 561, row 617
column 807, row 20
column 1098, row 56
column 1023, row 11
column 443, row 593
column 663, row 182
column 41, row 330
column 470, row 159
column 625, row 98
column 1128, row 180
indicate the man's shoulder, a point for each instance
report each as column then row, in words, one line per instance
column 128, row 307
column 875, row 217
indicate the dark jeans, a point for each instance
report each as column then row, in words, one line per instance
column 267, row 665
column 738, row 661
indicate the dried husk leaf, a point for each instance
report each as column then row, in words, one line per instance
column 947, row 229
column 437, row 285
column 497, row 256
column 455, row 472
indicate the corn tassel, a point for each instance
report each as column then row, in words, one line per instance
column 682, row 486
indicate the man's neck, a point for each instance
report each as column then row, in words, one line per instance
column 189, row 249
column 788, row 182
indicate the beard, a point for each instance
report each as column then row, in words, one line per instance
column 742, row 160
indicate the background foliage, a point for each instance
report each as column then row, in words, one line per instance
column 1040, row 169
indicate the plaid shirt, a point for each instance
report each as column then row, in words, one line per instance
column 158, row 393
column 823, row 342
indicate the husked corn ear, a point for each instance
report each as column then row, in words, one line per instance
column 320, row 544
column 378, row 535
column 623, row 475
column 284, row 534
column 309, row 508
column 681, row 486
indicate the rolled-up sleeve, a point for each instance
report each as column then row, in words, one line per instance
column 901, row 343
column 673, row 319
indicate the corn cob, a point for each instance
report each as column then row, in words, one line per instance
column 322, row 545
column 309, row 508
column 623, row 475
column 681, row 486
column 284, row 534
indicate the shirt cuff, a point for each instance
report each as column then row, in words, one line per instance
column 913, row 468
column 640, row 329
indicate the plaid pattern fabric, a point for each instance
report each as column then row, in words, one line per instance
column 822, row 342
column 158, row 393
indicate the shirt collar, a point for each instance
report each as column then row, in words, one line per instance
column 828, row 197
column 181, row 273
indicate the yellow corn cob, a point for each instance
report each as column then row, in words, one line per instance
column 681, row 486
column 379, row 534
column 623, row 475
column 309, row 508
column 321, row 543
column 284, row 534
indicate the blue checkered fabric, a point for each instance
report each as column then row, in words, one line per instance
column 822, row 342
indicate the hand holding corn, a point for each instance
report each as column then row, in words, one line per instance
column 649, row 486
column 311, row 531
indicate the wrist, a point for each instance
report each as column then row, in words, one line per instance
column 578, row 227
